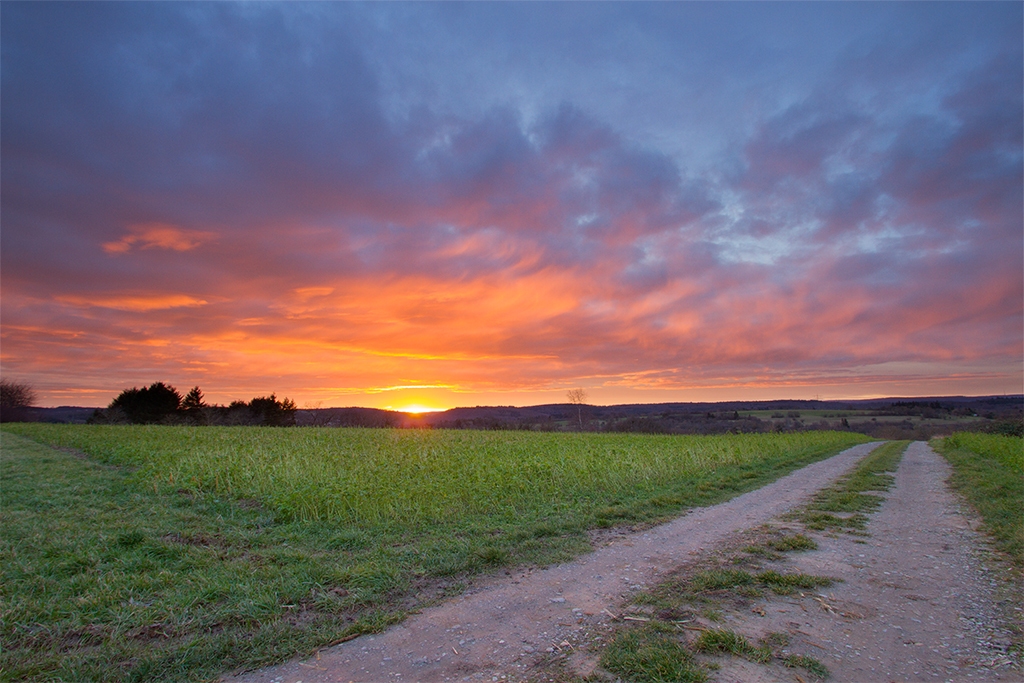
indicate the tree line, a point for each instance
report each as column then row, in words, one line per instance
column 161, row 403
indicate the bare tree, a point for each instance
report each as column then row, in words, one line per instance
column 318, row 417
column 15, row 400
column 578, row 397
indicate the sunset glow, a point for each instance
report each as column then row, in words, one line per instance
column 417, row 409
column 436, row 205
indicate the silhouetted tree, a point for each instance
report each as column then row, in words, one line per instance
column 317, row 416
column 193, row 406
column 269, row 411
column 193, row 399
column 237, row 413
column 578, row 397
column 262, row 410
column 15, row 400
column 155, row 403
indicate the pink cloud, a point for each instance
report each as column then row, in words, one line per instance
column 157, row 236
column 134, row 302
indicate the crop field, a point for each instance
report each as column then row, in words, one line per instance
column 174, row 553
column 411, row 476
column 835, row 417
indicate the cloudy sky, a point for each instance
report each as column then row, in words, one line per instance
column 390, row 204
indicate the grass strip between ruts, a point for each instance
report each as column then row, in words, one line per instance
column 846, row 504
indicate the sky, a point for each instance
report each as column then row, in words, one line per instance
column 457, row 204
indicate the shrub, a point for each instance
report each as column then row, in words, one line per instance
column 153, row 404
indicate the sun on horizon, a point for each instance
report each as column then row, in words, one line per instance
column 416, row 409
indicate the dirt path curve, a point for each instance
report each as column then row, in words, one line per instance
column 916, row 602
column 506, row 625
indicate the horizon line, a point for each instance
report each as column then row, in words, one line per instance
column 612, row 405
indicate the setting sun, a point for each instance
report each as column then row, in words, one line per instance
column 416, row 409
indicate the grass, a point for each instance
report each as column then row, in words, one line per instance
column 720, row 641
column 784, row 584
column 650, row 655
column 789, row 543
column 810, row 664
column 769, row 649
column 164, row 553
column 835, row 417
column 368, row 476
column 642, row 654
column 658, row 651
column 772, row 548
column 988, row 470
column 730, row 579
column 102, row 581
column 855, row 495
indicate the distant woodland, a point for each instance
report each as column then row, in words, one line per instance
column 161, row 403
column 918, row 418
column 882, row 418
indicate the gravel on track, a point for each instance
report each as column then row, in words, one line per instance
column 921, row 597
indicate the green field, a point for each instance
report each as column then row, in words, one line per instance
column 172, row 553
column 835, row 417
column 988, row 469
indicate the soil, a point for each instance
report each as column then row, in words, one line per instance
column 918, row 600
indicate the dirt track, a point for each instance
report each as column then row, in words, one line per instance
column 509, row 623
column 919, row 598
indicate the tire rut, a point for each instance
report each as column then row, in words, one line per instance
column 917, row 600
column 918, row 597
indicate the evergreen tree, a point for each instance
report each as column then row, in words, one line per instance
column 193, row 405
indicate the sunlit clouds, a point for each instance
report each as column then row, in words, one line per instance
column 157, row 236
column 422, row 206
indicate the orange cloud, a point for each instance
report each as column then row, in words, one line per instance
column 157, row 236
column 304, row 293
column 136, row 303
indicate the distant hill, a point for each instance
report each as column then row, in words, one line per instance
column 963, row 404
column 62, row 414
column 917, row 418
